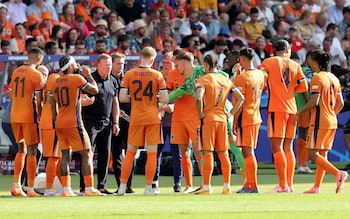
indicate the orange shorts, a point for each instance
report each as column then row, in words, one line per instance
column 304, row 120
column 247, row 136
column 141, row 135
column 202, row 4
column 49, row 142
column 27, row 132
column 75, row 138
column 214, row 136
column 321, row 139
column 184, row 131
column 280, row 125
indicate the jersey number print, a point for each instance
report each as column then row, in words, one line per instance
column 62, row 96
column 147, row 91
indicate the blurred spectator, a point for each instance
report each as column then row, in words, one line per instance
column 113, row 16
column 96, row 15
column 79, row 24
column 218, row 52
column 167, row 47
column 9, row 30
column 293, row 10
column 281, row 29
column 193, row 18
column 165, row 30
column 237, row 44
column 224, row 34
column 331, row 31
column 236, row 31
column 16, row 11
column 56, row 36
column 30, row 44
column 32, row 26
column 345, row 22
column 71, row 40
column 335, row 12
column 146, row 42
column 131, row 11
column 101, row 47
column 59, row 4
column 311, row 45
column 117, row 29
column 252, row 29
column 200, row 5
column 294, row 39
column 17, row 43
column 193, row 47
column 230, row 7
column 279, row 14
column 305, row 26
column 68, row 12
column 80, row 48
column 138, row 36
column 123, row 45
column 265, row 14
column 315, row 7
column 39, row 6
column 47, row 24
column 5, row 47
column 339, row 57
column 51, row 48
column 84, row 8
column 196, row 30
column 100, row 33
column 321, row 23
column 163, row 17
column 260, row 50
column 160, row 5
column 152, row 20
column 212, row 24
column 345, row 42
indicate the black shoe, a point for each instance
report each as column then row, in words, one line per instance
column 129, row 191
column 177, row 188
column 105, row 191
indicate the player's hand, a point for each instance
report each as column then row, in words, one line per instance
column 86, row 100
column 237, row 69
column 122, row 113
column 296, row 118
column 86, row 72
column 116, row 129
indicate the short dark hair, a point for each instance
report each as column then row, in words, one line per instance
column 331, row 26
column 4, row 43
column 99, row 41
column 36, row 52
column 281, row 45
column 49, row 45
column 248, row 53
column 123, row 38
column 30, row 40
column 254, row 11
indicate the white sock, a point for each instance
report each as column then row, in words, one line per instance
column 156, row 183
column 148, row 187
column 226, row 185
column 90, row 189
column 206, row 187
column 17, row 185
column 30, row 189
column 67, row 189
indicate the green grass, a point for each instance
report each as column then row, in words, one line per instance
column 171, row 205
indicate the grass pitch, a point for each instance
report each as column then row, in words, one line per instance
column 171, row 205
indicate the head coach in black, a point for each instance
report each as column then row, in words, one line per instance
column 97, row 120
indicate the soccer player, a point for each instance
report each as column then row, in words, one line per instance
column 65, row 99
column 325, row 103
column 185, row 122
column 212, row 91
column 48, row 135
column 284, row 78
column 140, row 86
column 25, row 92
column 248, row 119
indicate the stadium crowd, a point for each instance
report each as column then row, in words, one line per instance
column 220, row 29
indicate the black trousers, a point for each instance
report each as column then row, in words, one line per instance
column 119, row 143
column 100, row 141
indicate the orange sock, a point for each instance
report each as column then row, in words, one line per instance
column 58, row 170
column 319, row 175
column 18, row 167
column 89, row 181
column 290, row 167
column 31, row 170
column 151, row 165
column 127, row 166
column 65, row 181
column 208, row 167
column 186, row 165
column 326, row 165
column 225, row 167
column 305, row 154
column 251, row 167
column 281, row 167
column 299, row 149
column 51, row 171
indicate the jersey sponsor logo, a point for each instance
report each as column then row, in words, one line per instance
column 314, row 87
